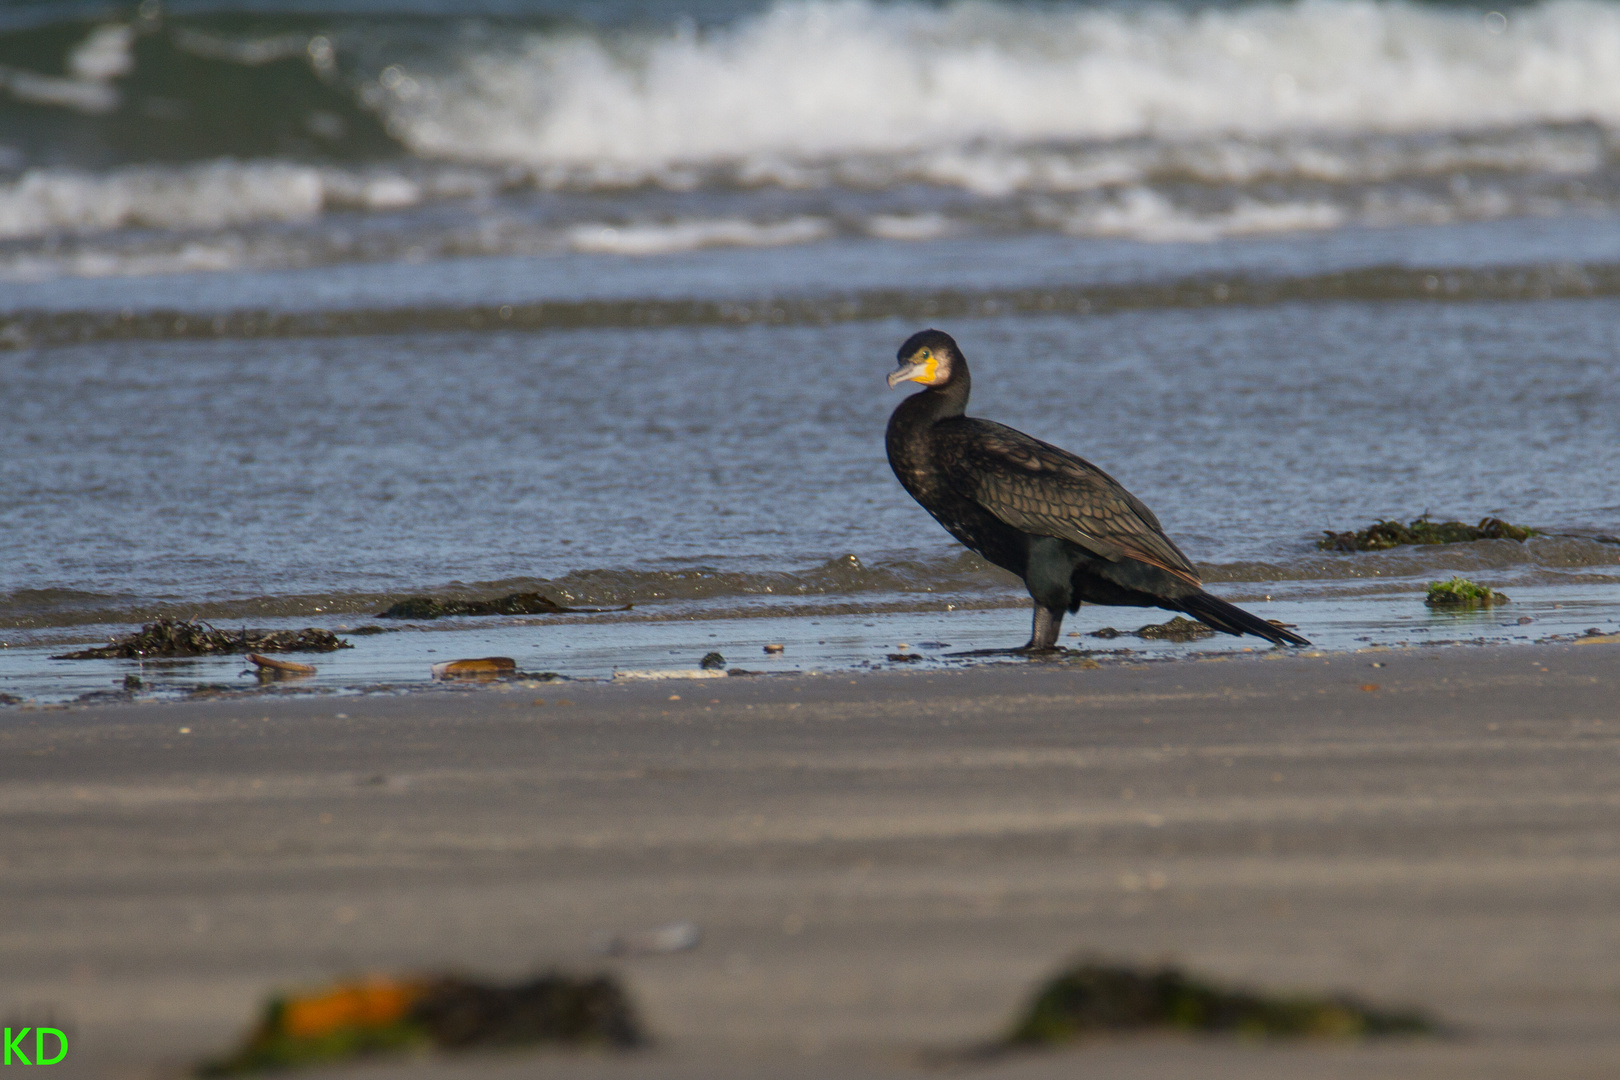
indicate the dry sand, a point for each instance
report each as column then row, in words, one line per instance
column 878, row 863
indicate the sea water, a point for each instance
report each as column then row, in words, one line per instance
column 308, row 308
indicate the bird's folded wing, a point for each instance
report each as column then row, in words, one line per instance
column 1045, row 490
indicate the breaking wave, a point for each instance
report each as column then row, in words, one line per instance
column 224, row 140
column 803, row 81
column 830, row 78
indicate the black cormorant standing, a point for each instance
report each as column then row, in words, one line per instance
column 1056, row 520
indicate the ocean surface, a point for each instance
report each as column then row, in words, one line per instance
column 306, row 307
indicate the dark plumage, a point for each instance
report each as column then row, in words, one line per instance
column 1056, row 520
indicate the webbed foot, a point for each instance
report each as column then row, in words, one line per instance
column 1023, row 650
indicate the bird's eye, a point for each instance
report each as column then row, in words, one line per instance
column 925, row 355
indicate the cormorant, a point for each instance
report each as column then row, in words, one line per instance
column 1056, row 520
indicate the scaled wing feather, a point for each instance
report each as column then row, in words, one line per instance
column 1043, row 489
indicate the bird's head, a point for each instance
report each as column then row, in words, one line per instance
column 927, row 357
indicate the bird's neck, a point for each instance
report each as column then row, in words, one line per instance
column 910, row 439
column 942, row 402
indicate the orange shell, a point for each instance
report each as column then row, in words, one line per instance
column 368, row 1004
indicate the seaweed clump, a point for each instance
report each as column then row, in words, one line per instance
column 364, row 1019
column 192, row 637
column 523, row 603
column 1383, row 535
column 1460, row 592
column 1096, row 999
column 1177, row 629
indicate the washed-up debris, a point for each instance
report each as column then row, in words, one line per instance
column 674, row 673
column 486, row 665
column 1094, row 999
column 489, row 669
column 283, row 667
column 775, row 649
column 1383, row 535
column 369, row 629
column 193, row 637
column 1460, row 592
column 904, row 657
column 1177, row 629
column 133, row 683
column 365, row 1018
column 209, row 690
column 712, row 662
column 523, row 603
column 670, row 938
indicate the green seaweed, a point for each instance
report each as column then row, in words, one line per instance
column 1460, row 592
column 192, row 637
column 1095, row 999
column 1383, row 535
column 712, row 662
column 271, row 1051
column 448, row 1013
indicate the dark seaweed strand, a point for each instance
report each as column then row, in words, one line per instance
column 44, row 328
column 193, row 637
column 453, row 1014
column 1097, row 999
column 1383, row 535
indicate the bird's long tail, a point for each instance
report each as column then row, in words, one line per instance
column 1234, row 620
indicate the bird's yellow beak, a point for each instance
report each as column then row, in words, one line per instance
column 923, row 368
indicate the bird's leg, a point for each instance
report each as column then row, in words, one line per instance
column 1044, row 634
column 1042, row 639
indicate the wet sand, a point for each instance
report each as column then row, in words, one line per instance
column 879, row 863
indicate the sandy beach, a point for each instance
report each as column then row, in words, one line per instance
column 573, row 333
column 880, row 865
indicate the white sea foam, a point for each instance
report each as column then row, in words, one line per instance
column 105, row 55
column 1143, row 214
column 816, row 118
column 45, row 200
column 212, row 195
column 812, row 79
column 908, row 226
column 689, row 235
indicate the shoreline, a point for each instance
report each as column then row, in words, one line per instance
column 881, row 864
column 944, row 636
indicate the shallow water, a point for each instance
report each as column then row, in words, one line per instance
column 289, row 476
column 654, row 375
column 842, row 640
